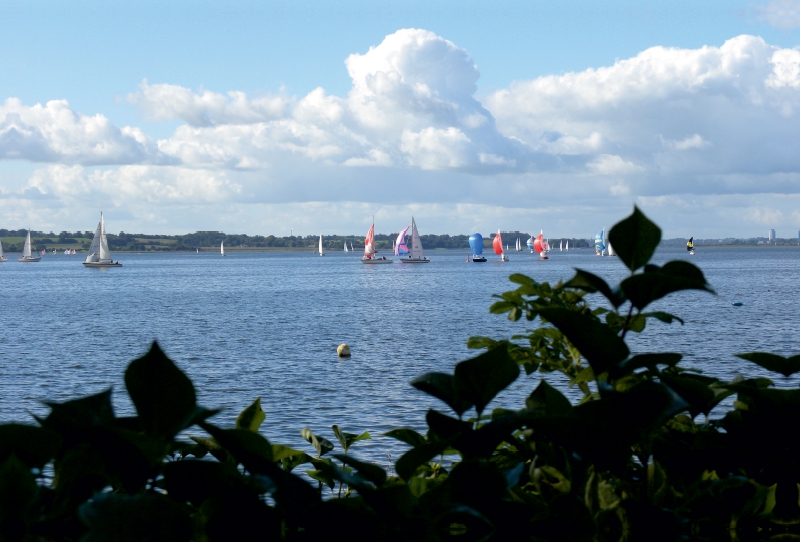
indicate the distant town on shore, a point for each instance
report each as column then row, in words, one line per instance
column 137, row 242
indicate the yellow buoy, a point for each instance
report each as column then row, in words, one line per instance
column 343, row 351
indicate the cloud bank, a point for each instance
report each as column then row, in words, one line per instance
column 700, row 128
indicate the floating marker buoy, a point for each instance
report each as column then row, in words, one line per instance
column 343, row 350
column 737, row 304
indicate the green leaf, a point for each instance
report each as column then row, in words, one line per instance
column 164, row 397
column 368, row 471
column 321, row 445
column 409, row 436
column 635, row 239
column 113, row 517
column 545, row 397
column 598, row 343
column 442, row 386
column 480, row 379
column 293, row 461
column 252, row 417
column 524, row 280
column 773, row 362
column 591, row 283
column 347, row 439
column 699, row 396
column 280, row 452
column 657, row 282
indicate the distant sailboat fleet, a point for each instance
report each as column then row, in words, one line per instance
column 99, row 254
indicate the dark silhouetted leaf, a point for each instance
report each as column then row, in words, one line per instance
column 409, row 436
column 251, row 417
column 635, row 239
column 368, row 471
column 480, row 379
column 697, row 394
column 17, row 490
column 163, row 395
column 91, row 411
column 248, row 448
column 665, row 317
column 651, row 361
column 548, row 399
column 442, row 386
column 657, row 282
column 34, row 446
column 598, row 343
column 445, row 427
column 409, row 461
column 195, row 481
column 591, row 283
column 113, row 517
column 773, row 362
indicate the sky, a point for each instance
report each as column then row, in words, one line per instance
column 314, row 117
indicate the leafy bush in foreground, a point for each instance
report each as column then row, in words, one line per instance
column 638, row 458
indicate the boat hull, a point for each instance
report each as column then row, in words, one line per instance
column 28, row 260
column 3, row 259
column 375, row 261
column 479, row 259
column 414, row 260
column 100, row 264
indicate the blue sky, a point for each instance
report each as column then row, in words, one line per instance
column 96, row 55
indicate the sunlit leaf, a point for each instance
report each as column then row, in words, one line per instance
column 252, row 417
column 635, row 239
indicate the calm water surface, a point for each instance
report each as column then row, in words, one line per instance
column 267, row 324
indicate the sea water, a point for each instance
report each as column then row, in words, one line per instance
column 267, row 324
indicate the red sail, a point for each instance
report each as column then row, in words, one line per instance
column 497, row 244
column 538, row 243
column 369, row 243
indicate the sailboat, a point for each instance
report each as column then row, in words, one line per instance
column 689, row 247
column 417, row 254
column 351, row 247
column 369, row 256
column 2, row 258
column 222, row 248
column 519, row 245
column 497, row 243
column 567, row 245
column 611, row 250
column 345, row 247
column 530, row 244
column 476, row 244
column 599, row 245
column 561, row 246
column 26, row 251
column 321, row 249
column 99, row 255
column 541, row 246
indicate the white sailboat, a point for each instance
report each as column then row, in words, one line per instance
column 345, row 247
column 222, row 248
column 99, row 255
column 417, row 254
column 519, row 245
column 321, row 249
column 26, row 251
column 561, row 246
column 2, row 258
column 567, row 244
column 369, row 256
column 611, row 250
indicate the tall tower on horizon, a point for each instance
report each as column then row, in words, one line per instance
column 771, row 236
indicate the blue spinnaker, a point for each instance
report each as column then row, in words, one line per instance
column 476, row 243
column 530, row 243
column 598, row 242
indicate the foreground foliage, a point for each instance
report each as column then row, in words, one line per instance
column 639, row 457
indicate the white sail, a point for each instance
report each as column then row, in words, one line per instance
column 567, row 244
column 611, row 250
column 1, row 249
column 345, row 246
column 105, row 254
column 416, row 242
column 222, row 247
column 94, row 249
column 321, row 250
column 561, row 245
column 26, row 250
